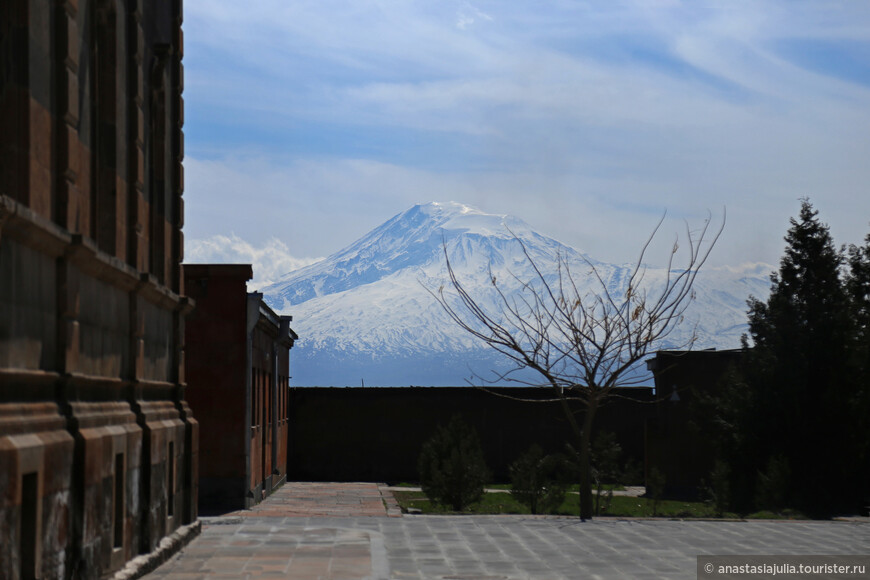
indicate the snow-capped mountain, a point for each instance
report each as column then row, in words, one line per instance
column 364, row 314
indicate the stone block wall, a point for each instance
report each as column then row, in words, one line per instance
column 237, row 360
column 97, row 445
column 376, row 433
column 35, row 472
column 216, row 371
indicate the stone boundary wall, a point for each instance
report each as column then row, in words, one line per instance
column 375, row 434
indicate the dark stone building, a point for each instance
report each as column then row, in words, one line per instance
column 97, row 445
column 675, row 445
column 238, row 365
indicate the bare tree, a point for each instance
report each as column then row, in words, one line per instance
column 581, row 344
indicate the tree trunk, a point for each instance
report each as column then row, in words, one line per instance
column 586, row 506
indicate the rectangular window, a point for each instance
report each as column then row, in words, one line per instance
column 253, row 397
column 269, row 398
column 170, row 480
column 118, row 502
column 104, row 129
column 28, row 538
column 15, row 72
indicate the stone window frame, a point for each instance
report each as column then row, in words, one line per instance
column 31, row 460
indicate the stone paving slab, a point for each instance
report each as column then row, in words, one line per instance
column 256, row 548
column 491, row 547
column 308, row 499
column 482, row 547
column 512, row 547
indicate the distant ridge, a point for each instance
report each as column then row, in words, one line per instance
column 363, row 313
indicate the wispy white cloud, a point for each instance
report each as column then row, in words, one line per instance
column 269, row 261
column 315, row 121
column 468, row 15
column 319, row 206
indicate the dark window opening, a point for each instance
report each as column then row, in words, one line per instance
column 14, row 72
column 170, row 480
column 104, row 130
column 28, row 538
column 254, row 398
column 157, row 175
column 118, row 502
column 269, row 401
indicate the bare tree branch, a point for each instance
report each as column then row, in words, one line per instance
column 580, row 344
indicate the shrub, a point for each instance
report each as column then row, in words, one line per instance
column 451, row 465
column 719, row 489
column 605, row 468
column 773, row 485
column 632, row 473
column 539, row 481
column 655, row 487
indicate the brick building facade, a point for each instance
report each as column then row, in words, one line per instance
column 238, row 359
column 97, row 445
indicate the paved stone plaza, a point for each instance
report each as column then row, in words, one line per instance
column 354, row 531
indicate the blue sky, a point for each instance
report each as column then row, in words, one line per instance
column 309, row 123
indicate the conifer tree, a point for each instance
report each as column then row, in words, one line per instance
column 452, row 469
column 858, row 290
column 799, row 370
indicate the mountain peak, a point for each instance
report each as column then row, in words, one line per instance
column 411, row 239
column 366, row 310
column 445, row 208
column 452, row 218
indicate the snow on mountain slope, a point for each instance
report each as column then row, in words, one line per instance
column 365, row 314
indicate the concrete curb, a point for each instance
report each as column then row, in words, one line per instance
column 221, row 520
column 390, row 503
column 168, row 547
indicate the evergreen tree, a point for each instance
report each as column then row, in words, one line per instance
column 858, row 290
column 451, row 465
column 727, row 417
column 799, row 371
